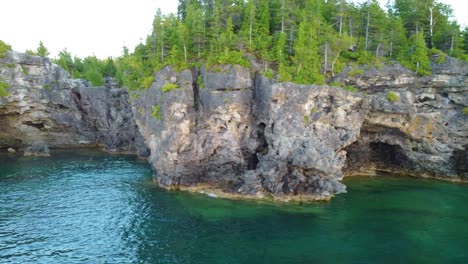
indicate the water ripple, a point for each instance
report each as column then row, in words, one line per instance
column 91, row 207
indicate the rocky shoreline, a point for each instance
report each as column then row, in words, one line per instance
column 237, row 134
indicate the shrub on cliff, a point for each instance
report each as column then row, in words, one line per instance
column 3, row 89
column 4, row 48
column 169, row 87
column 392, row 96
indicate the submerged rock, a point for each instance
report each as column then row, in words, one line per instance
column 37, row 149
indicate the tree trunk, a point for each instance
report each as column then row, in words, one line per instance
column 341, row 17
column 250, row 28
column 333, row 64
column 282, row 16
column 377, row 51
column 291, row 40
column 367, row 26
column 162, row 48
column 326, row 58
column 431, row 26
column 451, row 45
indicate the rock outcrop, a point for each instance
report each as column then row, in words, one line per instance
column 248, row 136
column 45, row 104
column 229, row 132
column 423, row 133
column 37, row 149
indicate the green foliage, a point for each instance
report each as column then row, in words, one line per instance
column 3, row 89
column 440, row 55
column 229, row 57
column 306, row 120
column 30, row 52
column 156, row 112
column 303, row 41
column 147, row 82
column 335, row 83
column 169, row 87
column 307, row 61
column 284, row 73
column 465, row 110
column 94, row 76
column 4, row 47
column 356, row 71
column 351, row 88
column 269, row 73
column 419, row 55
column 392, row 96
column 42, row 50
column 25, row 70
column 200, row 82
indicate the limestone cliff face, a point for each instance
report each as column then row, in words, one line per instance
column 248, row 136
column 229, row 131
column 245, row 135
column 424, row 133
column 45, row 104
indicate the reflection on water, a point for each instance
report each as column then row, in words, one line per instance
column 91, row 207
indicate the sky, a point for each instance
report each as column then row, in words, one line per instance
column 96, row 27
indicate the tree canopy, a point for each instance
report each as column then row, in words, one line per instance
column 304, row 41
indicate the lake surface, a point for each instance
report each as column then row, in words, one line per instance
column 91, row 207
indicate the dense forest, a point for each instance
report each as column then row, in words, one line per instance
column 303, row 41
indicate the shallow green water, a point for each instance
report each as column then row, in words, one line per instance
column 90, row 207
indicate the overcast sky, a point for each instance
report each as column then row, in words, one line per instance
column 99, row 27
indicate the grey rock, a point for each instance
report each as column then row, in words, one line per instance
column 248, row 140
column 11, row 150
column 46, row 105
column 260, row 138
column 248, row 135
column 37, row 149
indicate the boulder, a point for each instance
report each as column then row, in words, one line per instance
column 37, row 149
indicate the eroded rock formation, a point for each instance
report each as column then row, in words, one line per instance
column 423, row 133
column 46, row 105
column 229, row 131
column 242, row 135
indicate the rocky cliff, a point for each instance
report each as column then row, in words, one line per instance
column 44, row 104
column 234, row 133
column 423, row 132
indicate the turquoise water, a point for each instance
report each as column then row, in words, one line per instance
column 91, row 207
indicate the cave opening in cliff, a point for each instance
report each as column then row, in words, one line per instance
column 375, row 158
column 385, row 155
column 262, row 149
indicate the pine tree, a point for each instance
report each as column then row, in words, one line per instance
column 262, row 40
column 42, row 50
column 419, row 55
column 306, row 59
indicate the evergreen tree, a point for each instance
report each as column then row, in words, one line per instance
column 42, row 50
column 419, row 55
column 306, row 59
